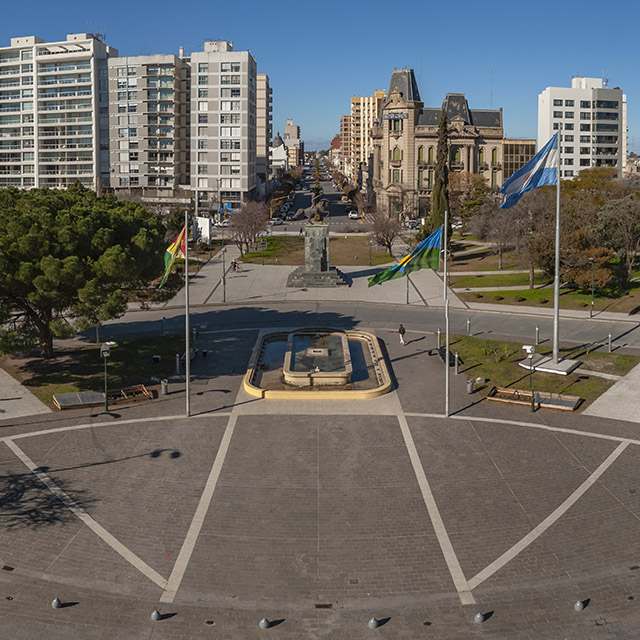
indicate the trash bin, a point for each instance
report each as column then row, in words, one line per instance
column 164, row 387
column 469, row 385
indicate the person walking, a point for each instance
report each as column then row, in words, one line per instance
column 401, row 332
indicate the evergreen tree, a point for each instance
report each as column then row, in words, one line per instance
column 440, row 195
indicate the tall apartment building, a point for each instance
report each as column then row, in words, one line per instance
column 345, row 146
column 593, row 124
column 365, row 113
column 54, row 110
column 295, row 146
column 148, row 132
column 223, row 125
column 264, row 128
column 406, row 140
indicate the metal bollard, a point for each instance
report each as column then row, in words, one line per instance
column 177, row 363
column 537, row 335
column 439, row 339
column 264, row 623
column 374, row 623
column 457, row 358
column 55, row 603
column 609, row 341
column 164, row 387
column 469, row 385
column 155, row 615
column 468, row 326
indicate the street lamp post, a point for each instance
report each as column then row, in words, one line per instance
column 531, row 351
column 105, row 352
column 224, row 275
column 593, row 274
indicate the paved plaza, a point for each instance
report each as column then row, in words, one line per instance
column 319, row 515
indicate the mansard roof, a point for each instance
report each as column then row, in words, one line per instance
column 404, row 81
column 455, row 104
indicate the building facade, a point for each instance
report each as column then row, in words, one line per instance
column 405, row 144
column 264, row 130
column 515, row 154
column 148, row 130
column 223, row 125
column 293, row 144
column 345, row 145
column 54, row 114
column 592, row 120
column 365, row 113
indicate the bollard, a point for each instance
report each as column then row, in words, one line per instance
column 457, row 358
column 164, row 387
column 537, row 335
column 439, row 339
column 162, row 324
column 579, row 606
column 609, row 341
column 264, row 623
column 468, row 326
column 155, row 615
column 204, row 353
column 469, row 385
column 55, row 603
column 479, row 617
column 177, row 363
column 373, row 623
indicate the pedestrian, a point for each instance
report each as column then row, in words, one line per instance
column 401, row 332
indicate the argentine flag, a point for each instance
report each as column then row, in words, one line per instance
column 541, row 170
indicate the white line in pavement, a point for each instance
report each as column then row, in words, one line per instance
column 191, row 538
column 544, row 427
column 89, row 425
column 507, row 556
column 99, row 530
column 460, row 582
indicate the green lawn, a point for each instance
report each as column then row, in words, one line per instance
column 629, row 302
column 82, row 368
column 498, row 361
column 505, row 280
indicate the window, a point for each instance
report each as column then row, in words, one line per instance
column 203, row 80
column 603, row 104
column 556, row 126
column 481, row 155
column 455, row 156
column 203, row 106
column 133, row 157
column 121, row 71
column 568, row 103
column 27, row 55
column 230, row 66
column 568, row 150
column 420, row 160
column 230, row 118
column 568, row 161
column 585, row 162
column 606, row 127
column 132, row 108
column 122, row 95
column 395, row 125
column 202, row 169
column 203, row 144
column 568, row 126
column 133, row 132
column 585, row 127
column 202, row 131
column 606, row 115
column 568, row 138
column 568, row 173
column 203, row 93
column 203, row 67
column 584, row 151
column 229, row 144
column 430, row 179
column 585, row 104
column 395, row 176
column 585, row 115
column 396, row 154
column 585, row 138
column 568, row 114
column 430, row 155
column 232, row 132
column 494, row 157
column 203, row 118
column 557, row 102
column 557, row 114
column 27, row 93
column 230, row 105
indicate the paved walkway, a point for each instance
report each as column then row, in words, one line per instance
column 621, row 401
column 16, row 400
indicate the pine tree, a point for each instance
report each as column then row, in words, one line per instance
column 440, row 195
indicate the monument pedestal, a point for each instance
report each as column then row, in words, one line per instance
column 316, row 271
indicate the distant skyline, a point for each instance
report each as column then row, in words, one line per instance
column 319, row 55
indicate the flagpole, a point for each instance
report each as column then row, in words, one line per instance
column 187, row 353
column 445, row 233
column 556, row 279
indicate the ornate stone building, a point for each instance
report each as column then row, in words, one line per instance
column 406, row 139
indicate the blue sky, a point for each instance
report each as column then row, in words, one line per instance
column 319, row 54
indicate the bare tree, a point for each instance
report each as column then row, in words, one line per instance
column 385, row 229
column 247, row 225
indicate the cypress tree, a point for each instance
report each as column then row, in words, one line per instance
column 440, row 195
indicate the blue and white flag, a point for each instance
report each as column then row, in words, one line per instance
column 541, row 170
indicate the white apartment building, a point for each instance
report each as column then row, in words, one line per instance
column 223, row 125
column 365, row 114
column 264, row 129
column 53, row 111
column 148, row 131
column 593, row 124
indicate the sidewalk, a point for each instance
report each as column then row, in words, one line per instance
column 16, row 400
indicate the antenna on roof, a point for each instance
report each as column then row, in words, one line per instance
column 605, row 79
column 143, row 47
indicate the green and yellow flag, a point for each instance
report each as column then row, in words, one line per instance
column 425, row 256
column 175, row 248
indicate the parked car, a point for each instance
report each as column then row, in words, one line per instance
column 353, row 214
column 412, row 224
column 456, row 224
column 275, row 221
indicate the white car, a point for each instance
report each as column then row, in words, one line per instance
column 353, row 215
column 275, row 221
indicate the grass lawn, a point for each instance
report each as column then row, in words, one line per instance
column 498, row 361
column 506, row 280
column 82, row 368
column 482, row 259
column 343, row 251
column 629, row 302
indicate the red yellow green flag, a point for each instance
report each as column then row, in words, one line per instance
column 175, row 248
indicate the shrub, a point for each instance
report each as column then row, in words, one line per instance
column 479, row 295
column 543, row 300
column 499, row 297
column 519, row 298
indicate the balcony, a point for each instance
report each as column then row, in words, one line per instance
column 395, row 163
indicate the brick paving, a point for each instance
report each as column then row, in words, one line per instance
column 318, row 504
